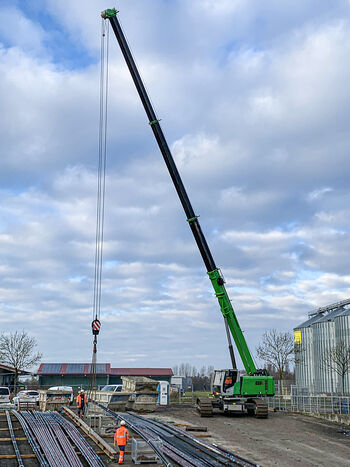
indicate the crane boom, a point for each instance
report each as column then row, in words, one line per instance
column 212, row 270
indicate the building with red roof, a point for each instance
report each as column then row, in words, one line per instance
column 79, row 374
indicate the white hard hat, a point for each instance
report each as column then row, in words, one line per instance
column 81, row 390
column 122, row 423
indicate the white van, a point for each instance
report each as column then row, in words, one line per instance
column 4, row 395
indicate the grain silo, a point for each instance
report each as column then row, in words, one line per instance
column 314, row 339
column 304, row 353
column 326, row 380
column 342, row 335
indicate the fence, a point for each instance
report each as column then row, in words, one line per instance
column 312, row 404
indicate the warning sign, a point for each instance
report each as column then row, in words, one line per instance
column 297, row 337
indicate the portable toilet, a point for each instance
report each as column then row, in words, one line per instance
column 163, row 389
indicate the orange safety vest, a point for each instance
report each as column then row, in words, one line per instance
column 121, row 436
column 79, row 400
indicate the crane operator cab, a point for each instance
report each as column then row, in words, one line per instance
column 223, row 382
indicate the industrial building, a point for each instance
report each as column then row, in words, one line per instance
column 7, row 375
column 314, row 340
column 78, row 374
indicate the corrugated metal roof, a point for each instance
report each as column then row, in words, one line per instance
column 141, row 371
column 330, row 316
column 309, row 322
column 101, row 369
column 11, row 369
column 322, row 317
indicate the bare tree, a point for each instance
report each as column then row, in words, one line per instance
column 210, row 370
column 18, row 351
column 276, row 349
column 186, row 369
column 337, row 359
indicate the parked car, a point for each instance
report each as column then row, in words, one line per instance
column 112, row 387
column 26, row 396
column 4, row 395
column 64, row 388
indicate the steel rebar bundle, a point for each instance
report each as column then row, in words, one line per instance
column 151, row 440
column 55, row 436
column 66, row 446
column 48, row 443
column 31, row 439
column 86, row 450
column 177, row 444
column 14, row 442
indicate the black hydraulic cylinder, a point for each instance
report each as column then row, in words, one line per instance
column 164, row 148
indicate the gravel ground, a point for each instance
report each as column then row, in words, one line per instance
column 284, row 439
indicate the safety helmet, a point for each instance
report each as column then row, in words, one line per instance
column 122, row 423
column 81, row 390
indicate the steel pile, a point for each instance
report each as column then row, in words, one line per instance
column 179, row 446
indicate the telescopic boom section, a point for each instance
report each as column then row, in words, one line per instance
column 213, row 272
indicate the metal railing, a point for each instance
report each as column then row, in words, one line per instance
column 311, row 404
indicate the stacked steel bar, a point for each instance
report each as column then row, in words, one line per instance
column 178, row 445
column 14, row 442
column 194, row 453
column 50, row 431
column 31, row 439
column 152, row 440
column 66, row 446
column 47, row 440
column 86, row 450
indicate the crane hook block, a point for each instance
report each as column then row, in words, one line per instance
column 96, row 324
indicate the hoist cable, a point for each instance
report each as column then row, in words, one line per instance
column 101, row 191
column 101, row 179
column 103, row 188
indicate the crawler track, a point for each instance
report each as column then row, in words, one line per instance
column 178, row 445
column 261, row 410
column 205, row 407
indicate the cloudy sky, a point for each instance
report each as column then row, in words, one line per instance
column 254, row 99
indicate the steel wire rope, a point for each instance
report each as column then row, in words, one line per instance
column 102, row 159
column 101, row 190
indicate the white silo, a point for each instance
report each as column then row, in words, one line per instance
column 342, row 336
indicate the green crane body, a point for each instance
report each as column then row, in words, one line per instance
column 257, row 382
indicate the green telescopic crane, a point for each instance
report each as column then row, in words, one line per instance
column 214, row 273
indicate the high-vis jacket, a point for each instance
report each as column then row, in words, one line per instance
column 121, row 436
column 80, row 399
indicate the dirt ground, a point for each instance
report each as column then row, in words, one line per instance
column 284, row 439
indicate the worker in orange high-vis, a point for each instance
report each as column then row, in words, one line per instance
column 81, row 403
column 121, row 437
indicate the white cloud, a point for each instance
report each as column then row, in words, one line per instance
column 17, row 30
column 258, row 128
column 319, row 193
